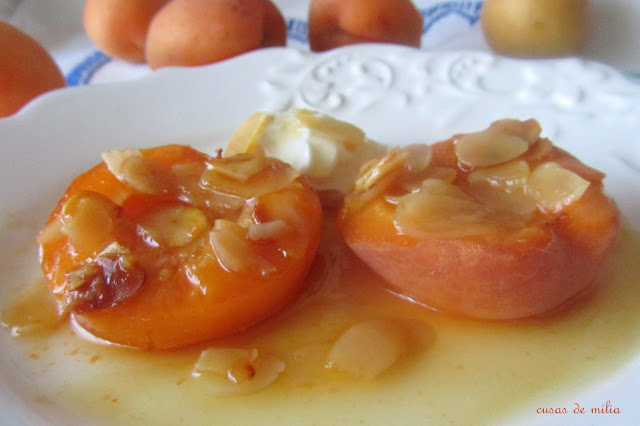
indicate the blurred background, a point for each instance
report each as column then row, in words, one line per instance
column 613, row 33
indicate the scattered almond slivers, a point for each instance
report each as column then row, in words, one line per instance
column 367, row 349
column 502, row 141
column 232, row 249
column 267, row 230
column 502, row 187
column 240, row 167
column 554, row 187
column 133, row 169
column 174, row 226
column 242, row 179
column 379, row 173
column 233, row 371
column 373, row 171
column 508, row 176
column 442, row 208
column 489, row 148
column 87, row 220
column 528, row 130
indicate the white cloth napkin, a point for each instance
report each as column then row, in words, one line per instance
column 449, row 24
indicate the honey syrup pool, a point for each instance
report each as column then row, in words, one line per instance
column 455, row 371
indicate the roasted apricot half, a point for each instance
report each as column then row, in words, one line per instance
column 166, row 247
column 498, row 224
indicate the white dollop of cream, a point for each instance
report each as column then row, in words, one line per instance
column 327, row 150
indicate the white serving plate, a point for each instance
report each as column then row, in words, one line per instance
column 397, row 95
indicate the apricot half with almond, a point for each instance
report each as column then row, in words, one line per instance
column 497, row 224
column 165, row 247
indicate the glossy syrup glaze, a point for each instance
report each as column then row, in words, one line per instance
column 454, row 370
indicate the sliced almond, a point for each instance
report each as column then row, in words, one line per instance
column 528, row 130
column 267, row 230
column 233, row 371
column 375, row 170
column 227, row 179
column 88, row 221
column 115, row 157
column 245, row 138
column 174, row 226
column 489, row 147
column 503, row 201
column 239, row 167
column 511, row 175
column 554, row 187
column 367, row 349
column 133, row 169
column 232, row 249
column 441, row 209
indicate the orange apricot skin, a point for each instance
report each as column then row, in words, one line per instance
column 173, row 312
column 27, row 70
column 200, row 32
column 515, row 274
column 334, row 23
column 119, row 27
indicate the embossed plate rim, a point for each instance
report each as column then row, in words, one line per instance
column 202, row 106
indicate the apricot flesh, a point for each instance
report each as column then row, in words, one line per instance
column 193, row 258
column 334, row 23
column 199, row 32
column 519, row 269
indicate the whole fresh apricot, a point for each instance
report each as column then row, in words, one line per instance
column 119, row 27
column 334, row 23
column 534, row 28
column 199, row 32
column 26, row 70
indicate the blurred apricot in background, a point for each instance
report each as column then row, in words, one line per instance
column 119, row 27
column 26, row 70
column 199, row 32
column 334, row 23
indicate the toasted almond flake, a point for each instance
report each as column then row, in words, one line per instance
column 528, row 130
column 245, row 138
column 232, row 249
column 554, row 187
column 511, row 175
column 375, row 170
column 271, row 178
column 239, row 167
column 419, row 158
column 88, row 221
column 115, row 157
column 267, row 230
column 233, row 371
column 442, row 209
column 174, row 226
column 506, row 201
column 489, row 147
column 133, row 169
column 367, row 349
